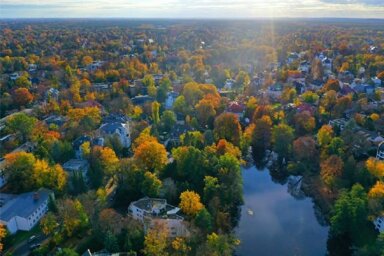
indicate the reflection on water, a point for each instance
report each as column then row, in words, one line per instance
column 273, row 222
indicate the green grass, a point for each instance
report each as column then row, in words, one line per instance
column 20, row 236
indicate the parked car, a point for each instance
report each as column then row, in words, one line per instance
column 34, row 246
column 31, row 239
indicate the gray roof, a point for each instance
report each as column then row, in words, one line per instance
column 111, row 128
column 23, row 205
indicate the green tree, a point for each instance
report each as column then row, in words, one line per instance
column 151, row 185
column 168, row 120
column 67, row 252
column 19, row 171
column 282, row 138
column 349, row 214
column 21, row 123
column 204, row 220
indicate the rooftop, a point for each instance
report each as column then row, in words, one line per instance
column 22, row 205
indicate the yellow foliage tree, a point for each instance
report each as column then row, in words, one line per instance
column 151, row 155
column 3, row 233
column 155, row 242
column 190, row 202
column 375, row 167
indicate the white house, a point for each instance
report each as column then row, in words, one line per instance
column 23, row 211
column 379, row 224
column 95, row 65
column 171, row 97
column 155, row 211
column 121, row 130
column 380, row 151
column 14, row 76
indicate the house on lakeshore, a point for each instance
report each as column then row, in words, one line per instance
column 155, row 211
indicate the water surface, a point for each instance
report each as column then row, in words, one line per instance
column 273, row 222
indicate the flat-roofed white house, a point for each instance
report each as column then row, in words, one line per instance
column 154, row 211
column 379, row 224
column 380, row 151
column 23, row 211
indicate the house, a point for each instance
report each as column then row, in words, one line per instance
column 142, row 99
column 55, row 120
column 115, row 125
column 3, row 181
column 154, row 211
column 327, row 63
column 380, row 151
column 52, row 93
column 23, row 211
column 101, row 87
column 171, row 97
column 95, row 65
column 229, row 83
column 77, row 167
column 339, row 123
column 32, row 68
column 236, row 108
column 293, row 56
column 76, row 144
column 304, row 66
column 379, row 224
column 275, row 90
column 14, row 76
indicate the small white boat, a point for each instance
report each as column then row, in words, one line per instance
column 250, row 212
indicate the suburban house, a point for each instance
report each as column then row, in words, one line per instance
column 23, row 211
column 379, row 224
column 154, row 211
column 236, row 108
column 275, row 90
column 229, row 83
column 14, row 76
column 95, row 65
column 142, row 99
column 339, row 123
column 380, row 151
column 52, row 93
column 77, row 167
column 116, row 125
column 171, row 97
column 76, row 144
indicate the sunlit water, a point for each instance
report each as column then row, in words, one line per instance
column 273, row 222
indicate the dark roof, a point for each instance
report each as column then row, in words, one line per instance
column 24, row 205
column 115, row 117
column 79, row 141
column 141, row 99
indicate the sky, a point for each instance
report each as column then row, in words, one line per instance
column 227, row 9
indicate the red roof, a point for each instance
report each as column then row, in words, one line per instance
column 235, row 107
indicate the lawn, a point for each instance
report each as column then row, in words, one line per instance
column 20, row 236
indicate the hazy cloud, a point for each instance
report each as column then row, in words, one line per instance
column 191, row 8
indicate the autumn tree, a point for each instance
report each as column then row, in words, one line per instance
column 103, row 162
column 151, row 185
column 45, row 175
column 317, row 69
column 3, row 233
column 304, row 122
column 22, row 97
column 261, row 138
column 49, row 223
column 190, row 203
column 325, row 135
column 19, row 171
column 376, row 198
column 205, row 111
column 180, row 246
column 72, row 216
column 227, row 127
column 304, row 149
column 331, row 170
column 375, row 167
column 332, row 84
column 155, row 112
column 151, row 155
column 155, row 243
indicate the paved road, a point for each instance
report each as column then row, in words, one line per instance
column 23, row 249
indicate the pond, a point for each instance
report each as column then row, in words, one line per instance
column 274, row 222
